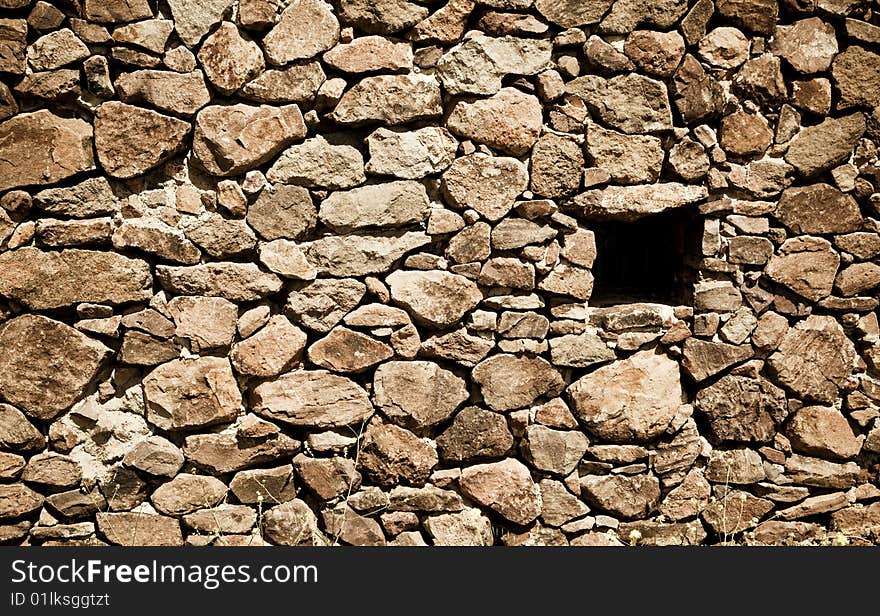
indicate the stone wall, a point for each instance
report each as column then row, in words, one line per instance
column 298, row 273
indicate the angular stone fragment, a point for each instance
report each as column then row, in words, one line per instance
column 391, row 456
column 822, row 431
column 807, row 265
column 55, row 50
column 738, row 466
column 17, row 500
column 222, row 520
column 559, row 504
column 856, row 73
column 282, row 212
column 509, row 382
column 410, row 154
column 318, row 164
column 119, row 131
column 427, row 499
column 630, row 103
column 286, row 259
column 46, row 280
column 179, row 93
column 478, row 64
column 857, row 279
column 509, row 121
column 808, row 45
column 634, row 202
column 818, row 208
column 629, row 159
column 515, row 233
column 475, row 434
column 232, row 139
column 573, row 13
column 818, row 148
column 366, row 54
column 725, row 47
column 417, row 394
column 381, row 16
column 92, row 197
column 305, row 29
column 358, row 255
column 857, row 520
column 186, row 493
column 626, row 15
column 52, row 470
column 392, row 204
column 154, row 236
column 193, row 19
column 237, row 282
column 41, row 148
column 297, row 83
column 274, row 485
column 323, row 303
column 703, row 359
column 55, row 86
column 688, row 498
column 556, row 166
column 579, row 350
column 135, row 529
column 745, row 134
column 313, row 399
column 437, row 298
column 621, row 495
column 696, row 94
column 344, row 350
column 554, row 451
column 506, row 487
column 814, row 359
column 445, row 25
column 60, row 233
column 819, row 473
column 293, row 523
column 761, row 79
column 489, row 185
column 271, row 350
column 813, row 96
column 390, row 100
column 740, row 408
column 458, row 346
column 632, row 400
column 18, row 433
column 150, row 35
column 222, row 238
column 191, row 393
column 230, row 59
column 656, row 53
column 228, row 453
column 758, row 16
column 350, row 527
column 507, row 272
column 735, row 512
column 142, row 349
column 155, row 456
column 13, row 46
column 329, row 478
column 207, row 322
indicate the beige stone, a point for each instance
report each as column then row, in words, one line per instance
column 41, row 148
column 313, row 399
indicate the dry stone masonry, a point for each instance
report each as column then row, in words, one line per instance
column 439, row 272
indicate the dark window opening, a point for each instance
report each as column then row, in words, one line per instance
column 652, row 259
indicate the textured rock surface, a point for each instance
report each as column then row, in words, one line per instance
column 460, row 272
column 42, row 148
